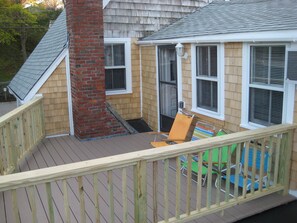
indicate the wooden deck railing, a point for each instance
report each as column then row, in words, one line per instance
column 20, row 130
column 43, row 183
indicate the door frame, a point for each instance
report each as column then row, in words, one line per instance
column 178, row 79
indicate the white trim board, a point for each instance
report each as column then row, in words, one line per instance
column 266, row 36
column 105, row 3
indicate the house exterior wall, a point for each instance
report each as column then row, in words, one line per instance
column 55, row 102
column 128, row 105
column 149, row 86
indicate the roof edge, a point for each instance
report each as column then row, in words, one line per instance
column 43, row 78
column 263, row 36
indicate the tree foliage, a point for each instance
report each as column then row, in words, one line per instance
column 20, row 31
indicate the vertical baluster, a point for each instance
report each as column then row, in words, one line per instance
column 261, row 174
column 189, row 184
column 15, row 208
column 237, row 169
column 96, row 197
column 277, row 158
column 140, row 192
column 66, row 201
column 269, row 168
column 219, row 174
column 111, row 198
column 81, row 199
column 199, row 181
column 124, row 192
column 50, row 202
column 166, row 198
column 177, row 192
column 228, row 172
column 209, row 178
column 245, row 169
column 33, row 203
column 155, row 191
column 254, row 162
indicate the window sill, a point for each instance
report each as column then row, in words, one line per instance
column 117, row 92
column 208, row 113
column 251, row 126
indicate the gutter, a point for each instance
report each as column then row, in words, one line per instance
column 266, row 36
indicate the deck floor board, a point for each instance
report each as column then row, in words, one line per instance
column 64, row 150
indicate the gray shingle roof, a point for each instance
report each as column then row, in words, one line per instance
column 235, row 16
column 48, row 49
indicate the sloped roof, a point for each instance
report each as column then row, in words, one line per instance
column 140, row 18
column 48, row 49
column 234, row 16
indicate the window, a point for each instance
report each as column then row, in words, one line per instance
column 207, row 80
column 117, row 66
column 266, row 85
column 267, row 98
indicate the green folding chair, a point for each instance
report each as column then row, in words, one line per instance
column 205, row 160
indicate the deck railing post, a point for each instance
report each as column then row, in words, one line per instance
column 285, row 161
column 140, row 192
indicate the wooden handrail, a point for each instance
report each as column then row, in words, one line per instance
column 279, row 139
column 129, row 159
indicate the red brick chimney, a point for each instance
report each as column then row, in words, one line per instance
column 86, row 49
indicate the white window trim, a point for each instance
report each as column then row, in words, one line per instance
column 220, row 80
column 127, row 42
column 288, row 89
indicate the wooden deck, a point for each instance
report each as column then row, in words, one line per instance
column 63, row 150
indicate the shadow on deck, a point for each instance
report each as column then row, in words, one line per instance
column 64, row 150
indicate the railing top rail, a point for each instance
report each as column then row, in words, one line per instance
column 113, row 162
column 11, row 115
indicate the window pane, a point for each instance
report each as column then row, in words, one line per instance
column 276, row 107
column 277, row 65
column 108, row 55
column 259, row 64
column 115, row 79
column 202, row 62
column 119, row 54
column 259, row 106
column 265, row 106
column 213, row 61
column 207, row 95
column 167, row 64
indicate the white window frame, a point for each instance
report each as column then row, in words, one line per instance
column 127, row 43
column 288, row 88
column 219, row 114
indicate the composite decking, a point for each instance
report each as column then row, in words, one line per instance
column 64, row 150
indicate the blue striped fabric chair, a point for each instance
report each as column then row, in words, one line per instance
column 250, row 165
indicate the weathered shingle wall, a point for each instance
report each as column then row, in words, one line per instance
column 140, row 18
column 149, row 86
column 55, row 102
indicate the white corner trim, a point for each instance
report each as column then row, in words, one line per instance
column 69, row 94
column 179, row 79
column 157, row 86
column 45, row 76
column 141, row 84
column 105, row 3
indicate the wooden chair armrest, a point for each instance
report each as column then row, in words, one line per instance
column 157, row 133
column 172, row 140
